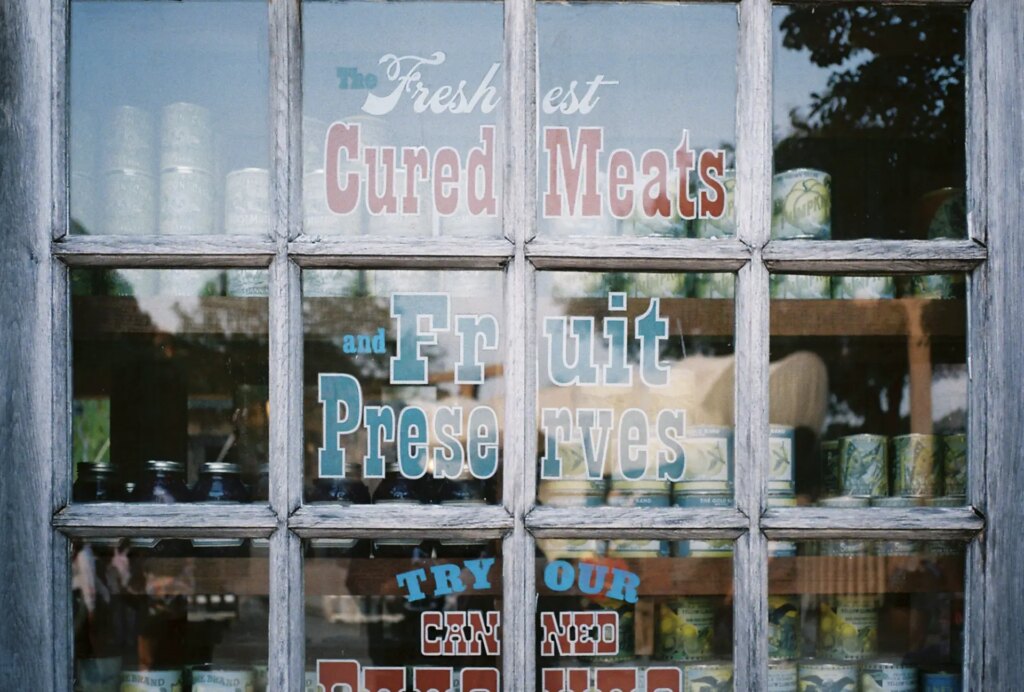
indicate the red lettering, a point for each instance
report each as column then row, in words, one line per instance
column 615, row 679
column 684, row 164
column 341, row 199
column 569, row 172
column 480, row 166
column 446, row 178
column 664, row 680
column 432, row 679
column 655, row 194
column 431, row 622
column 555, row 679
column 621, row 167
column 416, row 161
column 480, row 680
column 338, row 676
column 712, row 162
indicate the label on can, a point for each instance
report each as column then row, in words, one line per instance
column 701, row 499
column 130, row 200
column 864, row 461
column 887, row 676
column 709, row 452
column 708, row 677
column 827, row 677
column 863, row 287
column 848, row 627
column 222, row 681
column 186, row 202
column 247, row 201
column 916, row 468
column 186, row 136
column 780, row 445
column 954, row 464
column 571, row 493
column 936, row 286
column 802, row 204
column 248, row 283
column 782, row 676
column 783, row 627
column 151, row 681
column 619, row 497
column 686, row 627
column 845, row 547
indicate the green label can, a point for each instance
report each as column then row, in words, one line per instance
column 780, row 444
column 863, row 287
column 639, row 493
column 916, row 465
column 800, row 287
column 709, row 460
column 864, row 460
column 954, row 464
column 802, row 204
column 784, row 627
column 831, row 470
column 782, row 676
column 555, row 493
column 848, row 627
column 686, row 628
column 715, row 676
column 887, row 676
column 827, row 676
column 702, row 498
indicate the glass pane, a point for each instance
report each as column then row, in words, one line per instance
column 404, row 385
column 170, row 385
column 636, row 142
column 847, row 615
column 635, row 399
column 869, row 122
column 868, row 392
column 169, row 614
column 402, row 619
column 612, row 615
column 402, row 104
column 169, row 125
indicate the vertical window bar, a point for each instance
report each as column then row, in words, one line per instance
column 59, row 117
column 977, row 112
column 753, row 213
column 61, row 466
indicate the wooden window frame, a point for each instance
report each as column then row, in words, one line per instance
column 35, row 486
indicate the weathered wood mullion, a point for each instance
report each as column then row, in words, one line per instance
column 641, row 254
column 165, row 251
column 874, row 256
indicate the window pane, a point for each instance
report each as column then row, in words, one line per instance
column 170, row 384
column 615, row 617
column 404, row 388
column 889, row 614
column 636, row 141
column 868, row 392
column 401, row 111
column 635, row 399
column 167, row 614
column 869, row 122
column 403, row 619
column 169, row 126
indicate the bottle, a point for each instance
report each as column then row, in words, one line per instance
column 95, row 483
column 463, row 490
column 397, row 489
column 164, row 482
column 343, row 491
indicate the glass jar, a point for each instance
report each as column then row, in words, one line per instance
column 96, row 483
column 163, row 482
column 397, row 489
column 344, row 491
column 220, row 482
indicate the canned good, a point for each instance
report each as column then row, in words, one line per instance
column 317, row 217
column 940, row 682
column 709, row 459
column 714, row 286
column 780, row 445
column 151, row 681
column 247, row 201
column 129, row 202
column 782, row 676
column 128, row 144
column 627, row 626
column 844, row 547
column 784, row 627
column 556, row 493
column 725, row 225
column 800, row 287
column 864, row 463
column 827, row 676
column 802, row 204
column 831, row 469
column 186, row 201
column 916, row 468
column 887, row 676
column 848, row 627
column 713, row 676
column 895, row 548
column 186, row 137
column 98, row 674
column 639, row 493
column 571, row 548
column 863, row 287
column 686, row 628
column 222, row 680
column 954, row 464
column 708, row 498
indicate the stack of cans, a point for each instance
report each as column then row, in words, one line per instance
column 781, row 480
column 129, row 189
column 706, row 482
column 686, row 627
column 186, row 165
column 802, row 204
column 783, row 642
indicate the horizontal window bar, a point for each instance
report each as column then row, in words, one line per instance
column 924, row 523
column 427, row 253
column 166, row 521
column 372, row 521
column 873, row 256
column 632, row 522
column 156, row 251
column 642, row 254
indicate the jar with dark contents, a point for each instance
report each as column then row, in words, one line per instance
column 393, row 490
column 466, row 491
column 220, row 482
column 262, row 492
column 163, row 482
column 96, row 483
column 343, row 491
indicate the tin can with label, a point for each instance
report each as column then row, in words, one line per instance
column 556, row 493
column 782, row 676
column 916, row 465
column 781, row 471
column 686, row 628
column 186, row 137
column 702, row 548
column 831, row 469
column 800, row 287
column 247, row 201
column 222, row 680
column 784, row 627
column 781, row 548
column 848, row 627
column 151, row 681
column 709, row 459
column 863, row 287
column 887, row 676
column 712, row 676
column 818, row 675
column 129, row 141
column 843, row 546
column 571, row 548
column 895, row 548
column 725, row 225
column 98, row 674
column 129, row 203
column 802, row 204
column 937, row 286
column 940, row 682
column 643, row 493
column 186, row 201
column 864, row 461
column 703, row 499
column 954, row 464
